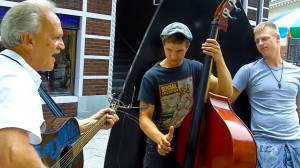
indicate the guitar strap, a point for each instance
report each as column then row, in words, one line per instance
column 53, row 107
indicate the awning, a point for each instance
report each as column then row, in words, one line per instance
column 288, row 24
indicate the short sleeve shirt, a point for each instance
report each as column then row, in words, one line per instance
column 273, row 109
column 171, row 90
column 20, row 103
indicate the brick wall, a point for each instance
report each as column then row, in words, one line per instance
column 99, row 6
column 97, row 47
column 94, row 87
column 95, row 67
column 67, row 4
column 253, row 3
column 98, row 27
column 283, row 52
column 251, row 13
column 70, row 110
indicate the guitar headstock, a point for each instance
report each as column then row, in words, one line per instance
column 223, row 11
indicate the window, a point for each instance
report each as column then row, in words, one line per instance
column 60, row 81
column 293, row 51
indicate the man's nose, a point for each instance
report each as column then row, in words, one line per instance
column 173, row 54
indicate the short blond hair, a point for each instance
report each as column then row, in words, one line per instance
column 266, row 25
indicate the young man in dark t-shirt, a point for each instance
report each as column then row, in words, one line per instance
column 167, row 90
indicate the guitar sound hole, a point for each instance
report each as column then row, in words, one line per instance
column 76, row 162
column 68, row 156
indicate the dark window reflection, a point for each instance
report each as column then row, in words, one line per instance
column 60, row 81
column 293, row 53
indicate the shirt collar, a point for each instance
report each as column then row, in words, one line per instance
column 34, row 75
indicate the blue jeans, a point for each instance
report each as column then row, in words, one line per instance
column 154, row 160
column 274, row 153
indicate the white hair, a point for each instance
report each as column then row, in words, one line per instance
column 24, row 17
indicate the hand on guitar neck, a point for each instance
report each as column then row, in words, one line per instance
column 111, row 118
column 64, row 138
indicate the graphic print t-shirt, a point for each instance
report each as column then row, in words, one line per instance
column 171, row 90
column 176, row 101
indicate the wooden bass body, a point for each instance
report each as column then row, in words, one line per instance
column 227, row 141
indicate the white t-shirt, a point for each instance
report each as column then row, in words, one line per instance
column 20, row 102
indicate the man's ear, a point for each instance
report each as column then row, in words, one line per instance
column 26, row 39
column 187, row 45
column 278, row 37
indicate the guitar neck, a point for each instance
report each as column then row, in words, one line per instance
column 87, row 136
column 79, row 144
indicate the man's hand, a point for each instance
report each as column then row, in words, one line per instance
column 111, row 117
column 164, row 146
column 212, row 48
column 108, row 113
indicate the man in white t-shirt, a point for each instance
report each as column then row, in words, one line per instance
column 32, row 34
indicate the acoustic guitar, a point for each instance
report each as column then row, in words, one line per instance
column 62, row 144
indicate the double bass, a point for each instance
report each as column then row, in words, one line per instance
column 126, row 146
column 217, row 138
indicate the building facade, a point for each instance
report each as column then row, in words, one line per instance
column 82, row 71
column 81, row 82
column 290, row 48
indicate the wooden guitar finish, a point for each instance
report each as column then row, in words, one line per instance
column 62, row 145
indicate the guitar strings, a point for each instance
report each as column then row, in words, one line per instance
column 130, row 116
column 69, row 157
column 116, row 104
column 71, row 154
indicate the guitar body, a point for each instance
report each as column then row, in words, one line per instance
column 60, row 135
column 226, row 141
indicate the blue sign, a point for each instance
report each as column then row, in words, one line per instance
column 67, row 21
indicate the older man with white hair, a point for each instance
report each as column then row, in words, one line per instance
column 32, row 34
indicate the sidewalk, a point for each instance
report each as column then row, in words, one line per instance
column 94, row 151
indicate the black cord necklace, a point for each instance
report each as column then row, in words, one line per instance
column 278, row 81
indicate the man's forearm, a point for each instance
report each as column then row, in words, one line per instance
column 224, row 80
column 150, row 129
column 17, row 156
